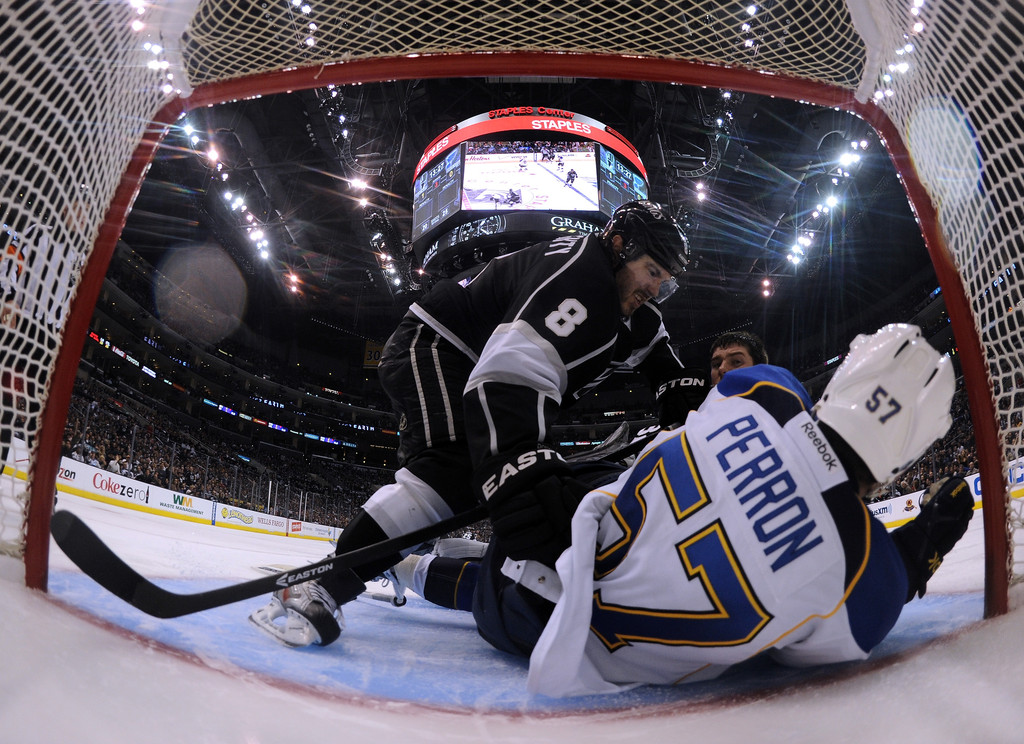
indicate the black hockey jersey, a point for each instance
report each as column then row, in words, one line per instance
column 543, row 326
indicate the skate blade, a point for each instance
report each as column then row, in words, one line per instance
column 294, row 632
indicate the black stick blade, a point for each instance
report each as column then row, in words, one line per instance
column 105, row 567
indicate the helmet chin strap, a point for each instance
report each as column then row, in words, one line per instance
column 630, row 251
column 617, row 257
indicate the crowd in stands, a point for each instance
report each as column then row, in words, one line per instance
column 110, row 431
column 954, row 454
column 113, row 432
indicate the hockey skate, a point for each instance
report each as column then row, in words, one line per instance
column 394, row 576
column 300, row 615
column 459, row 547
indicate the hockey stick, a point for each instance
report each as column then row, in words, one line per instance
column 379, row 596
column 614, row 449
column 106, row 568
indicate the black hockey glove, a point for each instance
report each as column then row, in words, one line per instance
column 946, row 510
column 676, row 398
column 531, row 498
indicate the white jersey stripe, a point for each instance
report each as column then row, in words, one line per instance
column 444, row 389
column 492, row 434
column 419, row 386
column 443, row 331
column 562, row 269
column 591, row 355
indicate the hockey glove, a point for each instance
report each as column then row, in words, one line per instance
column 946, row 510
column 676, row 398
column 531, row 500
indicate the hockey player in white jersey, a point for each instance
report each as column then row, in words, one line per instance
column 742, row 532
column 477, row 374
column 733, row 350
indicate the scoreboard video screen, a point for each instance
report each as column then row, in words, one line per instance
column 548, row 175
column 619, row 184
column 435, row 194
column 522, row 160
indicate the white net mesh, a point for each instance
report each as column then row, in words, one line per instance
column 77, row 94
column 954, row 88
column 79, row 84
column 812, row 40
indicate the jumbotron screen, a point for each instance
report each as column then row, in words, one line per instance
column 619, row 184
column 435, row 194
column 559, row 176
column 526, row 159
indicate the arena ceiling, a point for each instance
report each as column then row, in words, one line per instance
column 764, row 165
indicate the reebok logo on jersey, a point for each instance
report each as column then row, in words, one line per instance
column 820, row 444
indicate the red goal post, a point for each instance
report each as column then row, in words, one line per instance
column 938, row 81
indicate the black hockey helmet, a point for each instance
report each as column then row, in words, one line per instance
column 648, row 228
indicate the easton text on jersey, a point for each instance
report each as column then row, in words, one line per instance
column 780, row 518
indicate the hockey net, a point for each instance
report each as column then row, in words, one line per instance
column 88, row 89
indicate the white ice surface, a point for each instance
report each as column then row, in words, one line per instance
column 67, row 678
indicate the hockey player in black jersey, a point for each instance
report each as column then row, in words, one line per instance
column 477, row 374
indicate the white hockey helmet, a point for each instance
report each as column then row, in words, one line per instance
column 890, row 398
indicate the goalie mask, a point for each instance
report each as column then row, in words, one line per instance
column 890, row 399
column 647, row 229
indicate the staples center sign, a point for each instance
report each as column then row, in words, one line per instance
column 538, row 120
